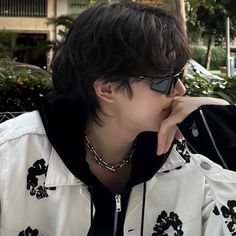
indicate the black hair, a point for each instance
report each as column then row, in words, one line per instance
column 114, row 42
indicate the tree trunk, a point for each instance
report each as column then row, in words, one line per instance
column 177, row 6
column 208, row 55
column 180, row 9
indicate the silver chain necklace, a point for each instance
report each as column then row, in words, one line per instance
column 103, row 163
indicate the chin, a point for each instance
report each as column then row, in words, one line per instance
column 149, row 125
column 149, row 129
column 154, row 128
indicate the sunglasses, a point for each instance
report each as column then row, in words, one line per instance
column 164, row 84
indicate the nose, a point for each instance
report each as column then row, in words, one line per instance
column 179, row 89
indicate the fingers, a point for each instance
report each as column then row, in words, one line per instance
column 165, row 139
column 168, row 130
column 178, row 135
column 166, row 135
column 181, row 107
column 164, row 143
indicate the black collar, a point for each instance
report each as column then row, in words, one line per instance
column 65, row 131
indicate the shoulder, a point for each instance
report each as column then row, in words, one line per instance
column 23, row 144
column 28, row 123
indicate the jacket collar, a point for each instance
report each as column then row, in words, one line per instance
column 58, row 174
column 174, row 161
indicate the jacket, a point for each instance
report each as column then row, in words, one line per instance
column 211, row 131
column 188, row 195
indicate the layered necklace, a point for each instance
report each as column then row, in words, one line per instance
column 103, row 163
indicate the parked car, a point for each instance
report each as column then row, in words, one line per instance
column 36, row 70
column 21, row 85
column 194, row 68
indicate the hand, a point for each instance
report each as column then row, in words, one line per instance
column 181, row 107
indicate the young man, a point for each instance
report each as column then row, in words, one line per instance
column 86, row 163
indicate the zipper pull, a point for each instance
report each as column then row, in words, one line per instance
column 118, row 202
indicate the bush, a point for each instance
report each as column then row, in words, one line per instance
column 218, row 56
column 20, row 90
column 7, row 43
column 227, row 91
column 199, row 86
column 199, row 55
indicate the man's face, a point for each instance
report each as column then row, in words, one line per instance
column 147, row 108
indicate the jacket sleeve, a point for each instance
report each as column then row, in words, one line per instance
column 219, row 203
column 211, row 131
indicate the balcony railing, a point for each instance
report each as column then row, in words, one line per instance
column 8, row 115
column 32, row 8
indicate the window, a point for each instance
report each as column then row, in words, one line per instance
column 33, row 8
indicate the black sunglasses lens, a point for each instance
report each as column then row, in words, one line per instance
column 165, row 86
column 175, row 80
column 173, row 84
column 161, row 86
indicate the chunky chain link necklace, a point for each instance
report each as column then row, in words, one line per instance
column 103, row 163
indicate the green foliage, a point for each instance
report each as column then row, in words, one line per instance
column 229, row 5
column 208, row 17
column 228, row 91
column 218, row 56
column 64, row 22
column 199, row 55
column 211, row 18
column 206, row 20
column 199, row 86
column 7, row 43
column 20, row 90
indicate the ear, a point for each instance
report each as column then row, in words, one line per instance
column 104, row 90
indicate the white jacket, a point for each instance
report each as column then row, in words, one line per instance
column 39, row 195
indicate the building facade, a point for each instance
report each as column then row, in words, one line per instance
column 29, row 20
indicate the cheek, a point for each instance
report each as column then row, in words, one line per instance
column 146, row 112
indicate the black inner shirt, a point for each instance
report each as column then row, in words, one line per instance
column 66, row 133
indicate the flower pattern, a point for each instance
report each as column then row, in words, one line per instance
column 33, row 184
column 165, row 221
column 216, row 211
column 229, row 213
column 182, row 150
column 29, row 232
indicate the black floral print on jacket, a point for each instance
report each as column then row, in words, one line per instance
column 165, row 221
column 38, row 169
column 229, row 213
column 29, row 232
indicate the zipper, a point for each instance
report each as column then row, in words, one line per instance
column 117, row 210
column 212, row 139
